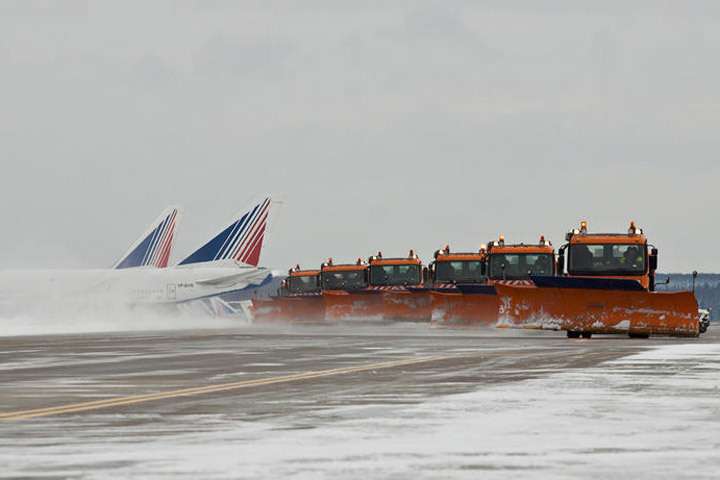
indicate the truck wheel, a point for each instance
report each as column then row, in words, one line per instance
column 639, row 335
column 573, row 334
column 586, row 334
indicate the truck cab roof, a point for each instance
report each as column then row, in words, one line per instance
column 411, row 259
column 499, row 246
column 580, row 235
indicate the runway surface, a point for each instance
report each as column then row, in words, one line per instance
column 397, row 401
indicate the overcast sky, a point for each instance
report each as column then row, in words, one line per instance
column 385, row 125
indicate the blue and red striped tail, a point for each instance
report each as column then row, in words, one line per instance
column 153, row 247
column 241, row 241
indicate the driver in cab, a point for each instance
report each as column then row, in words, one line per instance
column 632, row 258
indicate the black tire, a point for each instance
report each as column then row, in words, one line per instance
column 586, row 334
column 573, row 334
column 639, row 335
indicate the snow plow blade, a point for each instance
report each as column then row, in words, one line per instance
column 266, row 310
column 308, row 309
column 597, row 305
column 467, row 306
column 409, row 305
column 353, row 306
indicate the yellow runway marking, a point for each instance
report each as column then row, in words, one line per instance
column 118, row 401
column 113, row 402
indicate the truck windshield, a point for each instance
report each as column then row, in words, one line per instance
column 303, row 284
column 395, row 275
column 459, row 271
column 520, row 265
column 344, row 279
column 607, row 259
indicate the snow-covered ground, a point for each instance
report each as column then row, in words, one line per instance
column 651, row 415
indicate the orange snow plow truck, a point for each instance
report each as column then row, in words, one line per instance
column 384, row 295
column 400, row 283
column 609, row 287
column 345, row 292
column 473, row 300
column 450, row 307
column 299, row 300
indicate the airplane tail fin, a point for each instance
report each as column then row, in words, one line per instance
column 241, row 240
column 153, row 247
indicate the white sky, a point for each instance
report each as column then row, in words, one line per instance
column 385, row 127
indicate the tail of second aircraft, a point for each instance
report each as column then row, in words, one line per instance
column 241, row 240
column 153, row 247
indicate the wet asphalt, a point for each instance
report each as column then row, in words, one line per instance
column 53, row 372
column 40, row 372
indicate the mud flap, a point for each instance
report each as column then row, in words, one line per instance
column 596, row 307
column 353, row 306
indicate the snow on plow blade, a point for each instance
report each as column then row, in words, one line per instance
column 353, row 306
column 407, row 305
column 301, row 309
column 469, row 306
column 597, row 305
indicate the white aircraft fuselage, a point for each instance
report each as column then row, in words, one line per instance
column 132, row 286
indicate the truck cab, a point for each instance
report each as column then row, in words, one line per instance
column 300, row 282
column 519, row 261
column 347, row 276
column 613, row 255
column 452, row 268
column 396, row 272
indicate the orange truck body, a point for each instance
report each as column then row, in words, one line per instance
column 452, row 308
column 392, row 292
column 399, row 283
column 346, row 294
column 476, row 304
column 299, row 300
column 608, row 288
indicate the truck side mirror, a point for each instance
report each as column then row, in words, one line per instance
column 653, row 259
column 560, row 264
